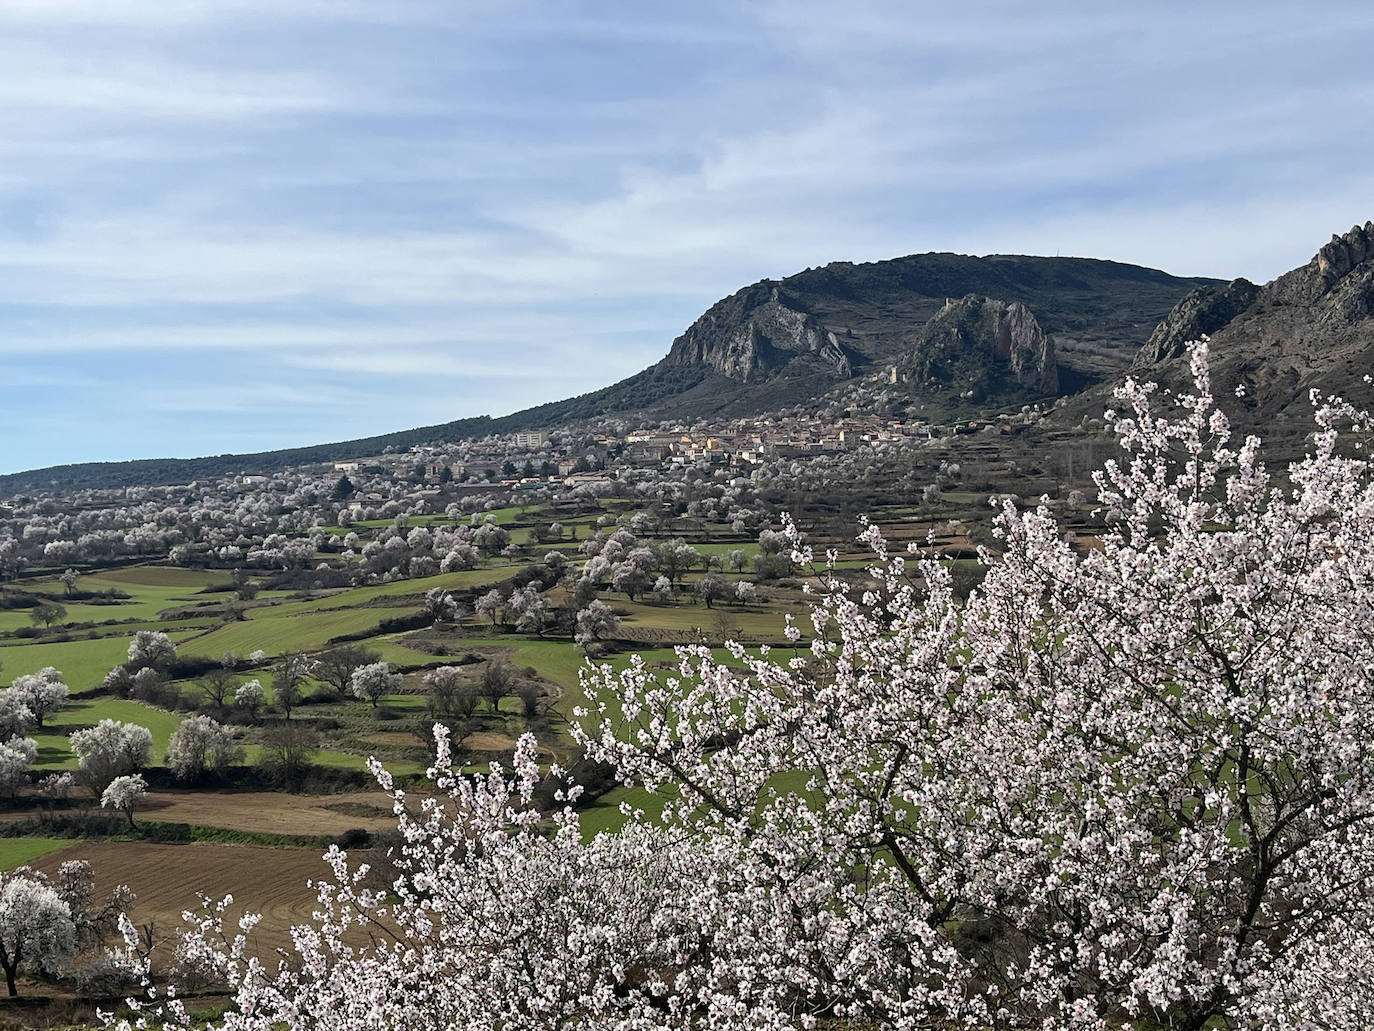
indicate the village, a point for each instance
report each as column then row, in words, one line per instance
column 595, row 456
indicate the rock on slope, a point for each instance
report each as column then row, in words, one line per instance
column 756, row 332
column 983, row 346
column 1310, row 329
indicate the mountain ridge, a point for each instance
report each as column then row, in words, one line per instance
column 1081, row 323
column 1310, row 329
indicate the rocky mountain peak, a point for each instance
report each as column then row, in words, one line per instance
column 1309, row 329
column 976, row 343
column 1336, row 260
column 1343, row 253
column 1202, row 312
column 754, row 333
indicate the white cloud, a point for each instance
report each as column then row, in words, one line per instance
column 503, row 202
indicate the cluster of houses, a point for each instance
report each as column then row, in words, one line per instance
column 533, row 459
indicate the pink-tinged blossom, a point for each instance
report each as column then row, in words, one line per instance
column 1130, row 785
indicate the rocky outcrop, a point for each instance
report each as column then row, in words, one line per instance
column 979, row 343
column 1311, row 329
column 1030, row 352
column 1328, row 267
column 755, row 333
column 1202, row 312
column 842, row 319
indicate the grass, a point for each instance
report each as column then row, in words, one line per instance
column 293, row 623
column 166, row 576
column 277, row 633
column 392, row 651
column 54, row 750
column 19, row 851
column 467, row 579
column 151, row 589
column 84, row 663
column 77, row 612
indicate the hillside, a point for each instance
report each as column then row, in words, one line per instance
column 1310, row 329
column 847, row 318
column 782, row 342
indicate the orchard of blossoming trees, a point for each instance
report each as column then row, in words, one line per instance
column 1131, row 787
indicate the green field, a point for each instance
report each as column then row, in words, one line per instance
column 467, row 579
column 279, row 633
column 18, row 851
column 54, row 750
column 284, row 620
column 84, row 663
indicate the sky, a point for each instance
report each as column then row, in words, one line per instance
column 238, row 225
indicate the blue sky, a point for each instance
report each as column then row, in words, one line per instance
column 247, row 224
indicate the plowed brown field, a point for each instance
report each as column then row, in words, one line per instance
column 167, row 878
column 272, row 812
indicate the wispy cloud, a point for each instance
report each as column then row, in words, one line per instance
column 283, row 208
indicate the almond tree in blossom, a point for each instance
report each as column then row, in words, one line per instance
column 1126, row 788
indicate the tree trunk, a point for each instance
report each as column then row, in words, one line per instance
column 11, row 968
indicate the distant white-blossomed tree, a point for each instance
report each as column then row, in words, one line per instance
column 15, row 716
column 249, row 697
column 151, row 648
column 43, row 693
column 440, row 605
column 36, row 927
column 125, row 794
column 16, row 757
column 111, row 749
column 201, row 745
column 1131, row 786
column 374, row 680
column 594, row 621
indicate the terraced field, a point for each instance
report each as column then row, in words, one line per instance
column 299, row 630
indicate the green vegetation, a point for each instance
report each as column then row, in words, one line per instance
column 206, row 619
column 54, row 750
column 18, row 851
column 303, row 630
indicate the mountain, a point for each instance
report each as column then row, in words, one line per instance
column 1310, row 329
column 847, row 318
column 984, row 348
column 983, row 330
column 781, row 342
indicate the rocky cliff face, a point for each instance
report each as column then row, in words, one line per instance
column 755, row 333
column 1310, row 329
column 1329, row 271
column 1201, row 313
column 843, row 319
column 982, row 345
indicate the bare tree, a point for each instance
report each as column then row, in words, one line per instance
column 336, row 666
